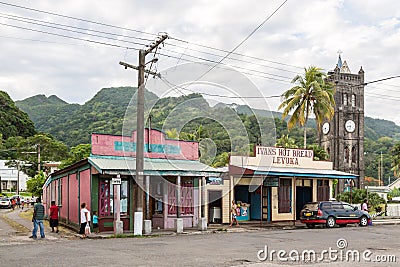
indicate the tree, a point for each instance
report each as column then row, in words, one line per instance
column 27, row 149
column 76, row 154
column 286, row 141
column 35, row 184
column 311, row 95
column 319, row 152
column 395, row 152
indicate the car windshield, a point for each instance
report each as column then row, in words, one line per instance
column 310, row 206
column 4, row 199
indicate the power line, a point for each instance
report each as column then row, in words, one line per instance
column 216, row 95
column 69, row 30
column 27, row 20
column 224, row 64
column 243, row 72
column 70, row 37
column 242, row 42
column 75, row 18
column 232, row 58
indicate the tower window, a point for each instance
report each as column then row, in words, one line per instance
column 345, row 101
column 353, row 154
column 346, row 154
column 353, row 100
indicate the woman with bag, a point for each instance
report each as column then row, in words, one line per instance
column 85, row 219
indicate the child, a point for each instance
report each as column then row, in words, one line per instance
column 95, row 222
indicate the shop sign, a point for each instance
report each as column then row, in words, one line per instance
column 214, row 181
column 271, row 182
column 280, row 156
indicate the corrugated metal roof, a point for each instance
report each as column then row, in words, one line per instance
column 122, row 165
column 300, row 172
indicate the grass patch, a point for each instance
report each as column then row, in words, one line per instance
column 222, row 230
column 16, row 226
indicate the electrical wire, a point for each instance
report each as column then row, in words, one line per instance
column 75, row 18
column 28, row 20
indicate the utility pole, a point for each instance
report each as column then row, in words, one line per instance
column 38, row 155
column 138, row 217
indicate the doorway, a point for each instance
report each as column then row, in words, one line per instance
column 215, row 206
column 303, row 195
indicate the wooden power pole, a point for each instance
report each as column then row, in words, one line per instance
column 138, row 217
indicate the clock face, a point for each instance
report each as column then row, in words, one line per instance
column 350, row 126
column 325, row 128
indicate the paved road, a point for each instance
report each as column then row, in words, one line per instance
column 218, row 249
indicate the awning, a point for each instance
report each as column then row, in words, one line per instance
column 300, row 172
column 153, row 167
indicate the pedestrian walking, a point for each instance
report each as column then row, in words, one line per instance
column 234, row 214
column 85, row 219
column 18, row 202
column 37, row 219
column 54, row 216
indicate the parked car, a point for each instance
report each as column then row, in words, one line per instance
column 332, row 213
column 5, row 202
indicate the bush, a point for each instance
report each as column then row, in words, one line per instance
column 358, row 196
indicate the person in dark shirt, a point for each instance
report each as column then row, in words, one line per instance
column 37, row 219
column 54, row 216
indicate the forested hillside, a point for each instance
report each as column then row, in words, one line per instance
column 13, row 121
column 192, row 118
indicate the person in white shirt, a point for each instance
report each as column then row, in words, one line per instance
column 364, row 206
column 85, row 219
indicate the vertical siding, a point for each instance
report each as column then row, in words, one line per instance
column 64, row 198
column 85, row 194
column 73, row 206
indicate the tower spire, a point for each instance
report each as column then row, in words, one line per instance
column 339, row 63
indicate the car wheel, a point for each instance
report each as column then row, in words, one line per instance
column 330, row 222
column 310, row 226
column 363, row 221
column 342, row 225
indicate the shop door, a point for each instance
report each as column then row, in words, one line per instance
column 303, row 195
column 266, row 203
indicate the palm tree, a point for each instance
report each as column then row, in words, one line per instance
column 311, row 95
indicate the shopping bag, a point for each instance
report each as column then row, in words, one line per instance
column 87, row 229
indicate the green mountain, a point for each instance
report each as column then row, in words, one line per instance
column 13, row 121
column 73, row 123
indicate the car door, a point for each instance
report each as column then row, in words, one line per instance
column 338, row 211
column 350, row 214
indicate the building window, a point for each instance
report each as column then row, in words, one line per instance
column 285, row 196
column 186, row 198
column 322, row 190
column 353, row 154
column 346, row 154
column 345, row 102
column 353, row 100
column 106, row 198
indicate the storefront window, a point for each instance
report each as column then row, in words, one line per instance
column 322, row 190
column 285, row 196
column 106, row 198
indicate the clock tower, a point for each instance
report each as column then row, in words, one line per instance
column 343, row 136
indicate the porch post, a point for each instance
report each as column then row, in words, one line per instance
column 147, row 197
column 202, row 226
column 178, row 196
column 178, row 220
column 147, row 221
column 294, row 201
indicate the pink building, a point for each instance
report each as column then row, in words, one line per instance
column 169, row 166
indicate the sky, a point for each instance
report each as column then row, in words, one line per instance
column 39, row 57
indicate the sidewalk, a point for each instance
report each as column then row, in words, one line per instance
column 25, row 226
